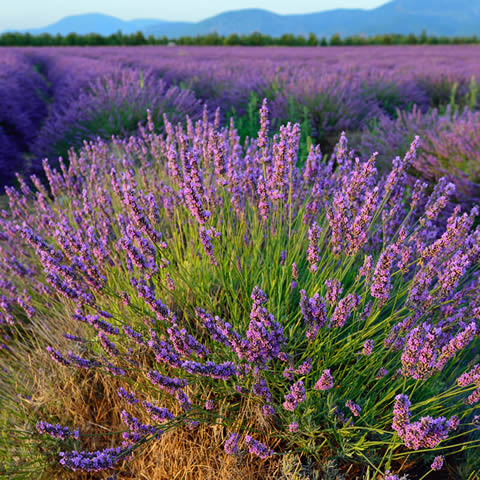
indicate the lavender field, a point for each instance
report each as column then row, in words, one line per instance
column 240, row 263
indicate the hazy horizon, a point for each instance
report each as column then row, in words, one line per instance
column 25, row 14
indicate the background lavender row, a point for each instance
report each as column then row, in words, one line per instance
column 326, row 90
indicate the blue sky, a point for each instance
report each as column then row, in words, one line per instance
column 38, row 13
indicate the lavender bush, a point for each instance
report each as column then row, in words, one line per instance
column 22, row 108
column 111, row 103
column 449, row 147
column 329, row 310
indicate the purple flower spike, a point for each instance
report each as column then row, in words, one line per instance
column 367, row 347
column 257, row 448
column 231, row 444
column 295, row 397
column 325, row 382
column 353, row 407
column 437, row 463
column 91, row 461
column 57, row 357
column 129, row 397
column 293, row 427
column 56, row 431
column 313, row 252
column 401, row 414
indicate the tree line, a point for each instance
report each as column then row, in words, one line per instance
column 17, row 39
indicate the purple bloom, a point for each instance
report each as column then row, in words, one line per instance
column 184, row 343
column 257, row 448
column 91, row 461
column 325, row 382
column 390, row 476
column 129, row 397
column 231, row 444
column 268, row 411
column 295, row 397
column 264, row 124
column 73, row 338
column 264, row 334
column 293, row 427
column 108, row 345
column 82, row 362
column 437, row 463
column 206, row 236
column 304, row 368
column 260, row 388
column 367, row 347
column 381, row 285
column 334, row 290
column 183, row 400
column 382, row 372
column 344, row 309
column 353, row 407
column 401, row 414
column 427, row 432
column 157, row 413
column 313, row 252
column 170, row 385
column 137, row 430
column 472, row 376
column 314, row 313
column 57, row 431
column 57, row 357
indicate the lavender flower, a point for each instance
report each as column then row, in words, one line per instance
column 295, row 397
column 293, row 427
column 401, row 414
column 268, row 411
column 314, row 313
column 353, row 407
column 367, row 347
column 108, row 345
column 91, row 461
column 170, row 385
column 381, row 285
column 157, row 413
column 57, row 357
column 257, row 448
column 325, row 382
column 57, row 431
column 437, row 463
column 313, row 252
column 231, row 444
column 334, row 290
column 344, row 309
column 129, row 397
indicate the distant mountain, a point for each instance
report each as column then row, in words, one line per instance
column 439, row 17
column 95, row 23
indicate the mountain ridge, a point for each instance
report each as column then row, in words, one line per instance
column 437, row 17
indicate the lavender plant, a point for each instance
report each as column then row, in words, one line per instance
column 330, row 309
column 449, row 146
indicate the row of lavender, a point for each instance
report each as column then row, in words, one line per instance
column 22, row 107
column 326, row 91
column 330, row 90
column 323, row 310
column 361, row 91
column 58, row 101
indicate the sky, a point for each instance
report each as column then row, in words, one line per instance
column 20, row 14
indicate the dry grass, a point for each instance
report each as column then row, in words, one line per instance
column 88, row 400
